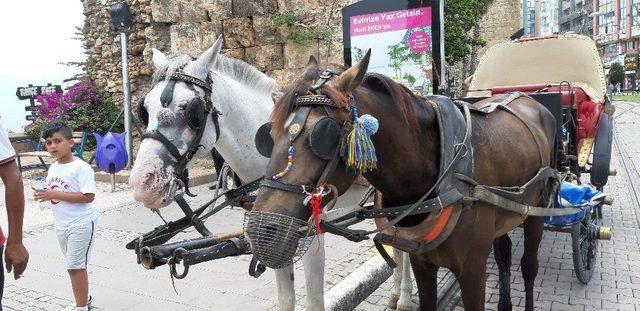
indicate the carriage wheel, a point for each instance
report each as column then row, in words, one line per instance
column 585, row 247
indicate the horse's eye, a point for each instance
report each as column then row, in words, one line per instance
column 182, row 107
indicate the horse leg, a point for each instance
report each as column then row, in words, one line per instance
column 472, row 279
column 426, row 275
column 313, row 262
column 397, row 279
column 286, row 291
column 404, row 304
column 502, row 254
column 533, row 228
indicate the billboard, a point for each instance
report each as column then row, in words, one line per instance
column 403, row 37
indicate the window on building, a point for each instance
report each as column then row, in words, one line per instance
column 611, row 48
column 635, row 17
column 623, row 16
column 606, row 20
column 630, row 45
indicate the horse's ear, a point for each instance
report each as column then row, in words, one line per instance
column 312, row 61
column 201, row 66
column 352, row 77
column 158, row 59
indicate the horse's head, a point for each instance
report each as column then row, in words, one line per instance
column 176, row 111
column 306, row 131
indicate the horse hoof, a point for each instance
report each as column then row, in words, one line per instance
column 404, row 308
column 393, row 301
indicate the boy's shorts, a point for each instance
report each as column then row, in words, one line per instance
column 76, row 244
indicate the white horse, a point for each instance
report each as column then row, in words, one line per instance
column 243, row 95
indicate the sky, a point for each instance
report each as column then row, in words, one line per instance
column 36, row 36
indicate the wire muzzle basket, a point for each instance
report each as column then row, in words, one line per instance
column 277, row 240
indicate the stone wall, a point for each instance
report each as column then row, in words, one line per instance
column 502, row 20
column 191, row 26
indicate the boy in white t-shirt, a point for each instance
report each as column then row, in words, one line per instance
column 71, row 190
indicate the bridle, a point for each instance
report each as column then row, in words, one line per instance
column 195, row 119
column 304, row 104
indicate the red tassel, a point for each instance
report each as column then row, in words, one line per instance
column 316, row 209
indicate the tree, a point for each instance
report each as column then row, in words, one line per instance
column 616, row 74
column 461, row 16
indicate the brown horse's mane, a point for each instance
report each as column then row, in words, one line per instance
column 372, row 83
column 402, row 97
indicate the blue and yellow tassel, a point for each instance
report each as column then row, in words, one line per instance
column 359, row 152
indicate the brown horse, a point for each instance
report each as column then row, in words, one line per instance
column 408, row 151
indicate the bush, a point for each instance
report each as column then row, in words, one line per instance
column 81, row 106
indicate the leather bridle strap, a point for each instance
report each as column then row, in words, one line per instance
column 157, row 135
column 273, row 184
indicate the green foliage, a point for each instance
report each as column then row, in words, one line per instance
column 358, row 56
column 410, row 79
column 461, row 16
column 34, row 130
column 616, row 74
column 299, row 33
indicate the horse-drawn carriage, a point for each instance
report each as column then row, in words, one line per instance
column 546, row 71
column 565, row 74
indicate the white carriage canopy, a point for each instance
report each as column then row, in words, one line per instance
column 571, row 58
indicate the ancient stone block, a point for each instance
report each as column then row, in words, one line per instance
column 266, row 57
column 254, row 7
column 238, row 32
column 193, row 38
column 209, row 33
column 184, row 38
column 284, row 77
column 157, row 35
column 265, row 32
column 218, row 9
column 297, row 56
column 165, row 11
column 192, row 11
column 238, row 53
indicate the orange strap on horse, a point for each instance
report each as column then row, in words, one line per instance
column 443, row 219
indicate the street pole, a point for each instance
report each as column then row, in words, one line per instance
column 127, row 98
column 443, row 83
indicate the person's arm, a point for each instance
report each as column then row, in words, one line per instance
column 71, row 197
column 16, row 256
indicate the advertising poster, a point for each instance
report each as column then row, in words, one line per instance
column 404, row 37
column 401, row 44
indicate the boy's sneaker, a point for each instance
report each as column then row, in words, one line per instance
column 72, row 306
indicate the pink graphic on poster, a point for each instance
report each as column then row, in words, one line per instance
column 400, row 42
column 390, row 21
column 419, row 41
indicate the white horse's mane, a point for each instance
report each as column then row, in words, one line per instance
column 244, row 73
column 232, row 68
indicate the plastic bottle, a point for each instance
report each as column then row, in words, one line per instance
column 40, row 185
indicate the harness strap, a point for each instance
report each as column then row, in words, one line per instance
column 484, row 194
column 514, row 193
column 164, row 233
column 383, row 253
column 435, row 204
column 273, row 184
column 157, row 135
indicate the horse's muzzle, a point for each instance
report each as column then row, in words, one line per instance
column 276, row 240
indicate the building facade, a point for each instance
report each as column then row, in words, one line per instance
column 539, row 17
column 575, row 16
column 617, row 34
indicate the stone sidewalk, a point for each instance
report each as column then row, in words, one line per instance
column 118, row 283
